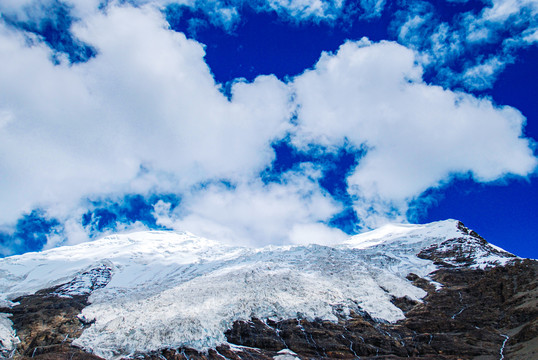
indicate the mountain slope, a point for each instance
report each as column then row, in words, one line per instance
column 151, row 291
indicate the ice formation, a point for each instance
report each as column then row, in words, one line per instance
column 152, row 290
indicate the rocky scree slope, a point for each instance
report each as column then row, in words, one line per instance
column 426, row 291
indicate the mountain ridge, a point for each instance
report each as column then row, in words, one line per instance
column 155, row 290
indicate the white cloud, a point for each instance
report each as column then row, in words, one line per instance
column 417, row 135
column 519, row 17
column 145, row 115
column 373, row 8
column 222, row 13
column 148, row 99
column 254, row 213
column 502, row 10
column 5, row 118
column 316, row 233
column 481, row 76
column 25, row 10
column 531, row 36
column 306, row 9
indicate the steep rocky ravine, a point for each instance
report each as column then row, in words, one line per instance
column 477, row 314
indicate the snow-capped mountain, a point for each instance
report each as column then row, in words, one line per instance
column 150, row 291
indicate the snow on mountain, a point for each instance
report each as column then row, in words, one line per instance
column 449, row 242
column 151, row 290
column 410, row 235
column 87, row 282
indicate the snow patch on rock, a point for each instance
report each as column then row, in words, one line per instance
column 86, row 282
column 286, row 354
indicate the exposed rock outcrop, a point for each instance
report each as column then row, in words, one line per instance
column 46, row 324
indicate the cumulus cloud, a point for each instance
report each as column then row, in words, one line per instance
column 145, row 108
column 145, row 116
column 417, row 135
column 255, row 213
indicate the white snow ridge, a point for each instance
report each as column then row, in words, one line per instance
column 153, row 290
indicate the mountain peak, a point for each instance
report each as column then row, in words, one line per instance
column 152, row 288
column 389, row 233
column 447, row 243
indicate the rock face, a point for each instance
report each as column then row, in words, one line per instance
column 46, row 324
column 474, row 307
column 471, row 316
column 462, row 251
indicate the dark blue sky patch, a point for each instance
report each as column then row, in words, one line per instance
column 52, row 22
column 7, row 243
column 105, row 215
column 449, row 11
column 335, row 169
column 517, row 86
column 100, row 220
column 33, row 229
column 30, row 233
column 286, row 158
column 503, row 215
column 335, row 166
column 136, row 208
column 181, row 18
column 264, row 43
column 347, row 221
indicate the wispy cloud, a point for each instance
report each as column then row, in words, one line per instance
column 465, row 44
column 471, row 47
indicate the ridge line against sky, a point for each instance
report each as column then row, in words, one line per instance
column 266, row 121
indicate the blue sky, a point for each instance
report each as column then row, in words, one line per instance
column 266, row 122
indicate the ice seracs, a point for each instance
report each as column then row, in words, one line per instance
column 8, row 338
column 152, row 290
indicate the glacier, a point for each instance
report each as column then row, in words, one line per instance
column 155, row 289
